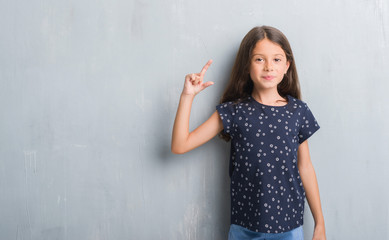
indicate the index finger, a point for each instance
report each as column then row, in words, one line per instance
column 205, row 68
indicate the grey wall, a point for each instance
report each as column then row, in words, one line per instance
column 89, row 92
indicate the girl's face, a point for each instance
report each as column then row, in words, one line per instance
column 268, row 64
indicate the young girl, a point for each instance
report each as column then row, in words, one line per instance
column 262, row 113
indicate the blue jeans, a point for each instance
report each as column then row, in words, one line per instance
column 240, row 233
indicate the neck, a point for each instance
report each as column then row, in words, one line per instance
column 267, row 97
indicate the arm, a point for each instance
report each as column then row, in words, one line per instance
column 308, row 177
column 182, row 140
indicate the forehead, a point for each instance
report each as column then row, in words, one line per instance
column 267, row 48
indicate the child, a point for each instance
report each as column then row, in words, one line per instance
column 262, row 113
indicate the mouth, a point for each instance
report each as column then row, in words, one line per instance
column 268, row 77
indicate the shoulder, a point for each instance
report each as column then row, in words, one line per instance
column 226, row 107
column 225, row 104
column 233, row 105
column 299, row 104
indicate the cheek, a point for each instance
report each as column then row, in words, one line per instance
column 280, row 69
column 255, row 70
column 284, row 67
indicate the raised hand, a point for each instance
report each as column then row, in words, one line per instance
column 194, row 81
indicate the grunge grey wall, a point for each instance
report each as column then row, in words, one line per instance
column 89, row 92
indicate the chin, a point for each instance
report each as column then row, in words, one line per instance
column 269, row 84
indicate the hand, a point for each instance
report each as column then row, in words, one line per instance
column 319, row 233
column 194, row 82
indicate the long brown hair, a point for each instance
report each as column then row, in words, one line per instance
column 240, row 85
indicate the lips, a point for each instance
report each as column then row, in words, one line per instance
column 268, row 77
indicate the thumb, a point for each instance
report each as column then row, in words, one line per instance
column 207, row 84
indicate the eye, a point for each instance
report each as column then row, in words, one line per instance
column 258, row 59
column 277, row 60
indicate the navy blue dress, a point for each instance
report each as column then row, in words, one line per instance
column 267, row 194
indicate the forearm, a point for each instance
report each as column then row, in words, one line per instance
column 308, row 177
column 181, row 123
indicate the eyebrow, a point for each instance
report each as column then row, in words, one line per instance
column 273, row 55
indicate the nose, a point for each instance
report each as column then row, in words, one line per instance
column 268, row 66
